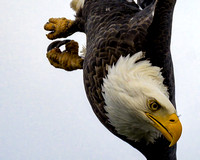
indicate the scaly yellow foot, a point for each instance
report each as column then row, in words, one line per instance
column 68, row 60
column 58, row 26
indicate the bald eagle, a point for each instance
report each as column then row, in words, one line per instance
column 127, row 68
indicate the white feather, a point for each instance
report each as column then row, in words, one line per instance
column 77, row 4
column 126, row 89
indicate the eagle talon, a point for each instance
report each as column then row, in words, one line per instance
column 58, row 26
column 57, row 44
column 69, row 59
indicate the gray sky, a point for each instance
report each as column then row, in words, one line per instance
column 44, row 112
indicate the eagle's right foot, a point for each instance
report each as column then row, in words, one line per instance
column 68, row 60
column 58, row 26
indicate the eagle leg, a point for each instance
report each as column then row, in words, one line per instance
column 59, row 27
column 68, row 59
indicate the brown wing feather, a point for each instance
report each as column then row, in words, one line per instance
column 113, row 30
column 117, row 29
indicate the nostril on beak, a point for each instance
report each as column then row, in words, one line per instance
column 172, row 120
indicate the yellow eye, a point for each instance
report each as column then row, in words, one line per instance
column 153, row 105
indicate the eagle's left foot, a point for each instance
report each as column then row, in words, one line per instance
column 68, row 60
column 58, row 26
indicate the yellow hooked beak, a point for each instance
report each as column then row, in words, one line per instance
column 169, row 126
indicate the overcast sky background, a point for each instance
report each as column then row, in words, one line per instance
column 44, row 112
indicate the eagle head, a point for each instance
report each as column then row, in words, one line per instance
column 137, row 102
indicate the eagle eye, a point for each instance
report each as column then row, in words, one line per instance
column 153, row 105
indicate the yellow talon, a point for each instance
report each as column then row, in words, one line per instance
column 58, row 26
column 68, row 60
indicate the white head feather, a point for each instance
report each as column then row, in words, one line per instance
column 126, row 90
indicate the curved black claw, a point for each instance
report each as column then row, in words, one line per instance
column 57, row 44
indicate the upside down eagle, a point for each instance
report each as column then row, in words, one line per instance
column 127, row 68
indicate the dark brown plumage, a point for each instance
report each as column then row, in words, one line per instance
column 115, row 28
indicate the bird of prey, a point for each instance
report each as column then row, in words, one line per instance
column 127, row 69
